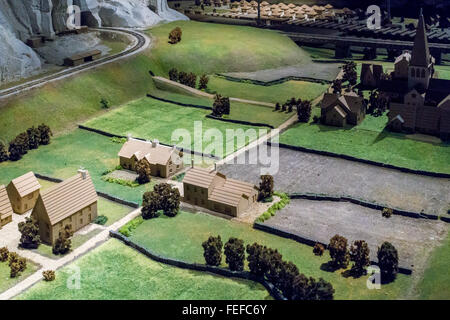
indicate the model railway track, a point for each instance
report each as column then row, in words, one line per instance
column 141, row 41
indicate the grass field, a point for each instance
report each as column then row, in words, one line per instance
column 115, row 271
column 152, row 119
column 7, row 282
column 181, row 237
column 434, row 285
column 369, row 141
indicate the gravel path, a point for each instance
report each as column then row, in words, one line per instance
column 321, row 220
column 306, row 172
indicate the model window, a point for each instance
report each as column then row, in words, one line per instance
column 423, row 73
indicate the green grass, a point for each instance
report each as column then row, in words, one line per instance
column 369, row 141
column 150, row 119
column 434, row 285
column 115, row 271
column 7, row 282
column 181, row 237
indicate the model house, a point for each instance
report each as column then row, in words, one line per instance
column 6, row 210
column 340, row 110
column 72, row 202
column 418, row 102
column 214, row 191
column 23, row 192
column 164, row 161
column 371, row 75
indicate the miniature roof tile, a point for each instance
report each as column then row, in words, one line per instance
column 5, row 205
column 144, row 149
column 26, row 184
column 68, row 197
column 199, row 177
column 421, row 53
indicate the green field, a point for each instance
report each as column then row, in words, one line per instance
column 114, row 271
column 7, row 282
column 152, row 119
column 434, row 285
column 181, row 237
column 369, row 141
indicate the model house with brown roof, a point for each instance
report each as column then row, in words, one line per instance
column 340, row 110
column 214, row 191
column 371, row 75
column 164, row 161
column 6, row 210
column 72, row 202
column 23, row 192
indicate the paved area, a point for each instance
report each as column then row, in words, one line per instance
column 306, row 172
column 123, row 175
column 321, row 220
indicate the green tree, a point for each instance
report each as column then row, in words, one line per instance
column 45, row 133
column 235, row 254
column 29, row 230
column 338, row 251
column 150, row 205
column 163, row 197
column 288, row 273
column 4, row 254
column 144, row 171
column 4, row 155
column 359, row 254
column 18, row 147
column 34, row 138
column 388, row 261
column 212, row 251
column 304, row 110
column 63, row 243
column 265, row 187
column 257, row 259
column 203, row 83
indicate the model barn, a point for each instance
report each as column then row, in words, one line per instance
column 6, row 210
column 214, row 191
column 23, row 192
column 164, row 161
column 72, row 202
column 340, row 110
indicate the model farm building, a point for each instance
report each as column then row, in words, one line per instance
column 23, row 192
column 6, row 210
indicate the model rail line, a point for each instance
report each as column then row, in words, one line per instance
column 141, row 40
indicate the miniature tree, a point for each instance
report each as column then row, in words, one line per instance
column 213, row 250
column 4, row 155
column 29, row 229
column 203, row 84
column 175, row 35
column 4, row 254
column 277, row 106
column 265, row 188
column 274, row 261
column 144, row 171
column 257, row 261
column 359, row 254
column 318, row 249
column 192, row 80
column 17, row 264
column 104, row 103
column 150, row 205
column 18, row 147
column 173, row 74
column 221, row 105
column 304, row 110
column 319, row 290
column 337, row 86
column 388, row 261
column 163, row 197
column 183, row 77
column 235, row 254
column 288, row 273
column 63, row 243
column 387, row 212
column 338, row 251
column 34, row 138
column 46, row 133
column 49, row 275
column 350, row 73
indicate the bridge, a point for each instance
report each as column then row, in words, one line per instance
column 343, row 43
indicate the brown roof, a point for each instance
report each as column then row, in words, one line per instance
column 5, row 206
column 26, row 184
column 68, row 197
column 157, row 154
column 421, row 53
column 349, row 102
column 199, row 177
column 445, row 104
column 341, row 112
column 404, row 56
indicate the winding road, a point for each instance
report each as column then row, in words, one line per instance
column 140, row 43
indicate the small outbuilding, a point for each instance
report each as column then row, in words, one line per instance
column 340, row 110
column 23, row 192
column 6, row 210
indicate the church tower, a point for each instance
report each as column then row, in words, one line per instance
column 421, row 66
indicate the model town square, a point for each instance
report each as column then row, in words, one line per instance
column 224, row 150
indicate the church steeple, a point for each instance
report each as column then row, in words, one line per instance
column 421, row 53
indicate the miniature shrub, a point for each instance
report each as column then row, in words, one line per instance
column 49, row 275
column 34, row 138
column 338, row 251
column 235, row 254
column 4, row 155
column 118, row 140
column 29, row 230
column 175, row 35
column 101, row 220
column 17, row 264
column 144, row 172
column 203, row 83
column 318, row 249
column 179, row 177
column 104, row 103
column 304, row 110
column 126, row 183
column 212, row 250
column 173, row 74
column 63, row 243
column 265, row 187
column 387, row 212
column 284, row 201
column 4, row 254
column 221, row 106
column 18, row 147
column 164, row 197
column 388, row 261
column 45, row 133
column 127, row 229
column 359, row 254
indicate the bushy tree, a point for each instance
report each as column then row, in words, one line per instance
column 144, row 171
column 49, row 275
column 17, row 264
column 277, row 106
column 388, row 261
column 34, row 138
column 235, row 254
column 265, row 187
column 175, row 35
column 304, row 110
column 104, row 103
column 377, row 105
column 256, row 258
column 4, row 254
column 337, row 86
column 29, row 230
column 288, row 273
column 18, row 147
column 350, row 73
column 150, row 205
column 387, row 212
column 212, row 250
column 338, row 251
column 45, row 133
column 274, row 261
column 318, row 249
column 4, row 155
column 221, row 105
column 163, row 197
column 173, row 74
column 359, row 254
column 63, row 243
column 203, row 83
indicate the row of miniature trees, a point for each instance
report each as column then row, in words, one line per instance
column 16, row 263
column 189, row 79
column 359, row 254
column 28, row 140
column 163, row 199
column 267, row 263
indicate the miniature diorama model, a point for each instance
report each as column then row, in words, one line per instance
column 164, row 161
column 23, row 192
column 6, row 210
column 72, row 202
column 340, row 110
